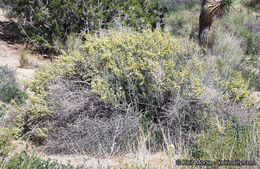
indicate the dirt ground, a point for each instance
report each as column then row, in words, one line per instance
column 12, row 46
column 141, row 158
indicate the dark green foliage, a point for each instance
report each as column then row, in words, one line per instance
column 48, row 21
column 11, row 92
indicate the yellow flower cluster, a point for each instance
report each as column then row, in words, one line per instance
column 129, row 61
column 237, row 88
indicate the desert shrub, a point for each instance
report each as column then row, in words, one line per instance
column 44, row 22
column 6, row 75
column 7, row 135
column 236, row 87
column 178, row 5
column 130, row 69
column 245, row 26
column 225, row 141
column 252, row 41
column 23, row 160
column 9, row 88
column 226, row 53
column 253, row 78
column 183, row 22
column 227, row 45
column 11, row 92
column 119, row 70
column 120, row 82
column 5, row 144
column 220, row 97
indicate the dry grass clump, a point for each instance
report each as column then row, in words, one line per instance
column 26, row 61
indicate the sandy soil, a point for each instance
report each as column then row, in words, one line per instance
column 11, row 47
column 157, row 160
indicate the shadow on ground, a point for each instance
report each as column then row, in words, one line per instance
column 9, row 32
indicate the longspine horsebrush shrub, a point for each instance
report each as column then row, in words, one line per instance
column 140, row 69
column 148, row 71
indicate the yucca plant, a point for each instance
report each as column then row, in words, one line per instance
column 211, row 8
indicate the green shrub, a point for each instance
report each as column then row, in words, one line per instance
column 9, row 88
column 252, row 41
column 121, row 81
column 226, row 141
column 245, row 26
column 179, row 5
column 183, row 22
column 25, row 161
column 48, row 21
column 144, row 69
column 127, row 67
column 253, row 78
column 126, row 71
column 11, row 92
column 5, row 144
